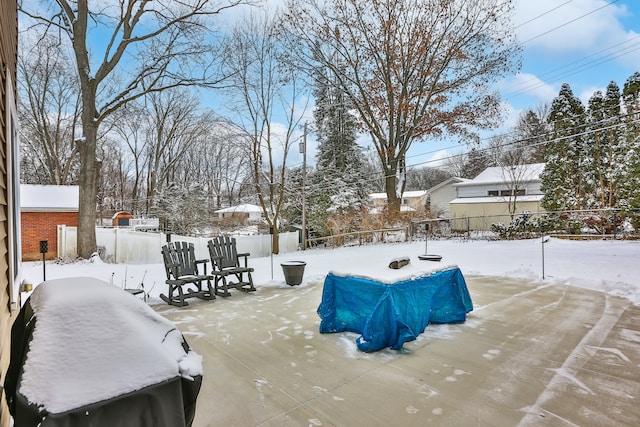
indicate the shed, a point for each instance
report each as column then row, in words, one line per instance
column 42, row 209
column 121, row 219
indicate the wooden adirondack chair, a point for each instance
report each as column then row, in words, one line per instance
column 226, row 262
column 181, row 266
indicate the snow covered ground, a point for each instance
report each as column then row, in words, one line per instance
column 606, row 265
column 276, row 354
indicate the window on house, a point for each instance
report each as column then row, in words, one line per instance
column 508, row 193
column 405, row 201
column 492, row 193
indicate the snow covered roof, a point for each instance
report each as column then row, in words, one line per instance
column 244, row 208
column 452, row 180
column 93, row 341
column 49, row 198
column 121, row 214
column 412, row 193
column 496, row 199
column 415, row 193
column 499, row 174
column 379, row 209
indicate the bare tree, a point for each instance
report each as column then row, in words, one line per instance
column 412, row 69
column 144, row 46
column 516, row 173
column 129, row 128
column 49, row 109
column 173, row 126
column 426, row 177
column 227, row 165
column 114, row 181
column 264, row 83
column 455, row 165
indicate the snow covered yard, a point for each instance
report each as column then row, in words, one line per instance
column 563, row 350
column 610, row 266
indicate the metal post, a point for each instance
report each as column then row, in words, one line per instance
column 303, row 149
column 426, row 237
column 44, row 248
column 271, row 250
column 542, row 232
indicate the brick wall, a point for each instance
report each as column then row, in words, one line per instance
column 38, row 226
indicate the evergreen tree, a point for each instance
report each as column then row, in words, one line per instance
column 563, row 181
column 340, row 183
column 630, row 186
column 530, row 132
column 476, row 161
column 605, row 147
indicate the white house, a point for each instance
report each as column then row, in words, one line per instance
column 442, row 194
column 487, row 198
column 246, row 210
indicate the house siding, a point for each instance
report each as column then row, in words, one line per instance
column 474, row 202
column 483, row 189
column 482, row 215
column 37, row 226
column 440, row 199
column 8, row 59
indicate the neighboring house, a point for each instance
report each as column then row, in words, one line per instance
column 411, row 201
column 42, row 209
column 490, row 197
column 244, row 211
column 10, row 267
column 441, row 195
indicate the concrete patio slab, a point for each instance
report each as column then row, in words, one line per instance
column 529, row 354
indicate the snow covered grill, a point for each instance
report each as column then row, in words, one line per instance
column 86, row 351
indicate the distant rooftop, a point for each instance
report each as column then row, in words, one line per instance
column 244, row 208
column 413, row 193
column 498, row 175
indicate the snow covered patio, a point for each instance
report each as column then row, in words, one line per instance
column 531, row 353
column 564, row 350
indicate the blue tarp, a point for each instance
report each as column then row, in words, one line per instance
column 388, row 315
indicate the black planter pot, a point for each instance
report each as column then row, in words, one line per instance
column 293, row 272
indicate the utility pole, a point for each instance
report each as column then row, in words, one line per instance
column 303, row 150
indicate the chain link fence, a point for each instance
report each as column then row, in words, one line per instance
column 583, row 224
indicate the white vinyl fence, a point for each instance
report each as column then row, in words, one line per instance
column 126, row 246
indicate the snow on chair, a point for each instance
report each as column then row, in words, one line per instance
column 181, row 266
column 226, row 262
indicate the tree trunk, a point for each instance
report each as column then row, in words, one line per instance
column 390, row 184
column 275, row 244
column 87, row 189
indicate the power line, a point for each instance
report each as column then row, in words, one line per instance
column 569, row 22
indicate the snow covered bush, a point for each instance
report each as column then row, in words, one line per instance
column 522, row 227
